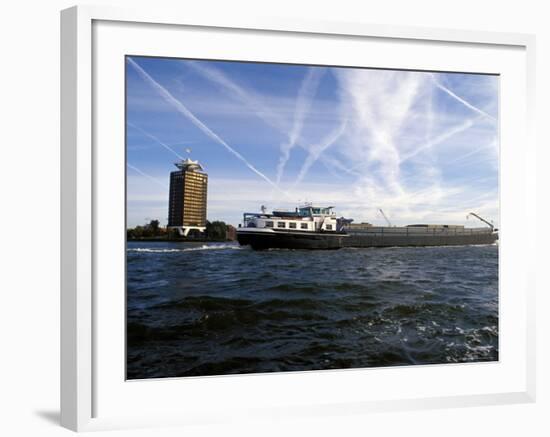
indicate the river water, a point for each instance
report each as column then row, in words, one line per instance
column 212, row 308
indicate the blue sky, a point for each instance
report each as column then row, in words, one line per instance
column 422, row 146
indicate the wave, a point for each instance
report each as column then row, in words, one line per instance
column 186, row 249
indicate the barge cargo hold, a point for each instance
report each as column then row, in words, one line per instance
column 386, row 236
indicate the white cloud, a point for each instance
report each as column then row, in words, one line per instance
column 229, row 198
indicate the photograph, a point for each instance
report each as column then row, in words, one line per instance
column 294, row 217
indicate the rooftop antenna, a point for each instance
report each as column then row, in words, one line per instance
column 385, row 218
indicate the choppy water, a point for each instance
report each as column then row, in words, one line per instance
column 211, row 309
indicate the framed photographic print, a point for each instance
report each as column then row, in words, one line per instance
column 274, row 218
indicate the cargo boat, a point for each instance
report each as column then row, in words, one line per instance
column 308, row 227
column 313, row 227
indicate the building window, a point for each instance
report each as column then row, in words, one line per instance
column 303, row 225
column 328, row 227
column 268, row 224
column 292, row 225
column 281, row 224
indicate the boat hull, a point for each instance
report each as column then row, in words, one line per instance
column 259, row 240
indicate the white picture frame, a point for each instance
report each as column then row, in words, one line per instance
column 85, row 373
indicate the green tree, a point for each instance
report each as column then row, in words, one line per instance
column 149, row 230
column 216, row 230
column 155, row 226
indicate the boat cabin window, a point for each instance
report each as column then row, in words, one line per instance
column 292, row 225
column 268, row 224
column 309, row 210
column 281, row 224
column 303, row 225
column 328, row 227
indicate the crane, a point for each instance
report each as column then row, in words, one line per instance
column 482, row 219
column 385, row 218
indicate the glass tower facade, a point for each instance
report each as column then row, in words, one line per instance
column 188, row 193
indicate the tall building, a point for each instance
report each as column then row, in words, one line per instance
column 187, row 203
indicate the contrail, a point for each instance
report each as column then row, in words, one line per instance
column 221, row 79
column 444, row 136
column 261, row 110
column 181, row 108
column 147, row 176
column 490, row 146
column 166, row 146
column 378, row 103
column 318, row 149
column 306, row 93
column 460, row 99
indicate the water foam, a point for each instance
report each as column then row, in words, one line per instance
column 185, row 249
